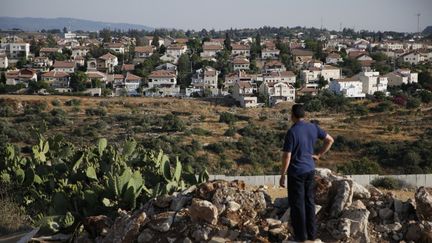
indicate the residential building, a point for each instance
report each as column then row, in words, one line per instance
column 47, row 51
column 276, row 77
column 116, row 47
column 127, row 67
column 240, row 63
column 278, row 92
column 80, row 51
column 244, row 92
column 401, row 76
column 373, row 82
column 143, row 51
column 176, row 50
column 56, row 79
column 240, row 50
column 274, row 66
column 349, row 87
column 4, row 62
column 64, row 66
column 167, row 67
column 270, row 53
column 312, row 75
column 414, row 57
column 127, row 85
column 238, row 76
column 42, row 64
column 333, row 58
column 301, row 55
column 162, row 83
column 16, row 50
column 107, row 63
column 206, row 78
column 392, row 45
column 210, row 50
column 24, row 76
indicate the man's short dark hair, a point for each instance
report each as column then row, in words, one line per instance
column 298, row 111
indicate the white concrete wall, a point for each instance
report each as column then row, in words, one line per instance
column 415, row 180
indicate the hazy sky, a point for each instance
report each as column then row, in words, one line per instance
column 398, row 15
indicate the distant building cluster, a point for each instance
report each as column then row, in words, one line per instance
column 251, row 79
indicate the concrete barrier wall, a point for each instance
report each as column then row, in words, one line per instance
column 415, row 180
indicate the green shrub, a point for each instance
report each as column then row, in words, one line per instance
column 313, row 105
column 200, row 131
column 99, row 111
column 216, row 148
column 73, row 102
column 35, row 108
column 389, row 183
column 359, row 167
column 6, row 111
column 172, row 123
column 231, row 131
column 383, row 106
column 413, row 103
column 227, row 118
column 56, row 102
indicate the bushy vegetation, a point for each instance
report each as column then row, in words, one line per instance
column 362, row 166
column 60, row 184
column 389, row 183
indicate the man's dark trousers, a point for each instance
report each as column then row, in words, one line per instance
column 301, row 196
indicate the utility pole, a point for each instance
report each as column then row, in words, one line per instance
column 418, row 24
column 321, row 23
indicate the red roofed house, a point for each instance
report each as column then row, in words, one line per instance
column 162, row 83
column 240, row 63
column 245, row 93
column 240, row 50
column 128, row 85
column 56, row 79
column 64, row 66
column 24, row 76
column 107, row 63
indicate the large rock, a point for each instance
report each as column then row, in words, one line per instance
column 423, row 201
column 162, row 222
column 340, row 196
column 359, row 191
column 97, row 225
column 126, row 228
column 353, row 225
column 203, row 211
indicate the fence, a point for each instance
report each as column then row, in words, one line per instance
column 416, row 180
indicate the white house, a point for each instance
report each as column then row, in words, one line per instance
column 210, row 50
column 14, row 77
column 270, row 53
column 206, row 78
column 333, row 58
column 47, row 51
column 128, row 85
column 4, row 61
column 176, row 50
column 274, row 66
column 162, row 83
column 414, row 57
column 401, row 76
column 373, row 82
column 349, row 87
column 80, row 51
column 276, row 77
column 116, row 47
column 16, row 50
column 244, row 93
column 107, row 63
column 143, row 51
column 56, row 79
column 278, row 92
column 240, row 50
column 312, row 75
column 240, row 63
column 64, row 66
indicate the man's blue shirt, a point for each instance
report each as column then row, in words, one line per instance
column 300, row 140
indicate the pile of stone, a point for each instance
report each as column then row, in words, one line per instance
column 221, row 211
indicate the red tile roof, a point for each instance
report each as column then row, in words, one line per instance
column 63, row 64
column 54, row 74
column 162, row 74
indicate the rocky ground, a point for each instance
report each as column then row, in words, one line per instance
column 221, row 211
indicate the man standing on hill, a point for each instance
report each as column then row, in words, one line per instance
column 298, row 159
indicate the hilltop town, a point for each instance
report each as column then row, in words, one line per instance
column 252, row 70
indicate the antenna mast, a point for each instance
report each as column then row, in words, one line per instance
column 418, row 24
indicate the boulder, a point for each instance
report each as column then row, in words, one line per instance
column 353, row 225
column 162, row 222
column 204, row 211
column 126, row 228
column 423, row 201
column 340, row 195
column 359, row 191
column 385, row 213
